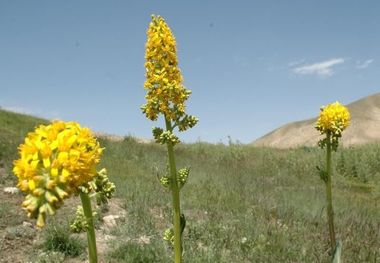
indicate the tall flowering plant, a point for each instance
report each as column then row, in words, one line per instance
column 333, row 120
column 57, row 161
column 166, row 96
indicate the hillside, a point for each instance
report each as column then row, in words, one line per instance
column 364, row 128
column 13, row 128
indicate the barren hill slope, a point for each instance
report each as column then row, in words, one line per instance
column 364, row 128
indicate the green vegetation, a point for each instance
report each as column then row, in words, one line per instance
column 246, row 204
column 57, row 238
column 242, row 204
column 133, row 252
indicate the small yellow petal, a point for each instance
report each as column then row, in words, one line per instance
column 51, row 185
column 54, row 172
column 41, row 220
column 65, row 173
column 62, row 194
column 32, row 184
column 35, row 163
column 63, row 156
column 54, row 145
column 50, row 197
column 46, row 162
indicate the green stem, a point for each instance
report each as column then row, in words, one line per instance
column 175, row 197
column 330, row 212
column 86, row 203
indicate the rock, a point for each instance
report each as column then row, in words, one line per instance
column 27, row 224
column 109, row 237
column 11, row 190
column 144, row 240
column 110, row 220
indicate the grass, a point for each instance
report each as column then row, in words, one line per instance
column 58, row 239
column 246, row 204
column 242, row 204
column 138, row 253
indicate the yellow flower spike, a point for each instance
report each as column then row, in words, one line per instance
column 54, row 161
column 333, row 118
column 163, row 77
column 166, row 95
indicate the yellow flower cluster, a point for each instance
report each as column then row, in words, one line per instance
column 54, row 161
column 333, row 118
column 166, row 94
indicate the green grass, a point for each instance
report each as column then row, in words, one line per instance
column 246, row 204
column 57, row 238
column 242, row 204
column 138, row 253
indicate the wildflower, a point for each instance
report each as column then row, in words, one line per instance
column 333, row 119
column 166, row 95
column 54, row 161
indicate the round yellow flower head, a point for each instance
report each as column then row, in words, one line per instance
column 54, row 161
column 333, row 118
column 166, row 94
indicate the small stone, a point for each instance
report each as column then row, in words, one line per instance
column 144, row 240
column 27, row 224
column 108, row 237
column 201, row 246
column 11, row 190
column 110, row 220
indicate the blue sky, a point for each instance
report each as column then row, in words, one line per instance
column 252, row 65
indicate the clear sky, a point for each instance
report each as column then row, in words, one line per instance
column 252, row 65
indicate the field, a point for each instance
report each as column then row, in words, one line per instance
column 242, row 204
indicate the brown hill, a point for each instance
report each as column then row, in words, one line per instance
column 364, row 128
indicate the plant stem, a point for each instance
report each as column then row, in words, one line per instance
column 86, row 203
column 330, row 212
column 175, row 199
